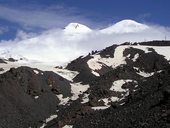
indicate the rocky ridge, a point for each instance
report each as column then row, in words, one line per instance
column 120, row 86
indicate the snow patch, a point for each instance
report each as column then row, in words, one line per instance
column 135, row 57
column 63, row 101
column 43, row 125
column 162, row 50
column 36, row 97
column 106, row 102
column 143, row 48
column 145, row 74
column 48, row 120
column 50, row 85
column 67, row 74
column 51, row 118
column 109, row 100
column 85, row 98
column 95, row 73
column 117, row 85
column 97, row 61
column 100, row 107
column 36, row 72
column 77, row 89
column 94, row 63
column 128, row 56
column 68, row 126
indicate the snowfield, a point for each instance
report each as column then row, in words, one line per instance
column 125, row 26
column 97, row 61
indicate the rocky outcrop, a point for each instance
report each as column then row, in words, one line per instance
column 121, row 86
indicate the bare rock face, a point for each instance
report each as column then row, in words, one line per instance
column 128, row 86
column 28, row 98
column 2, row 61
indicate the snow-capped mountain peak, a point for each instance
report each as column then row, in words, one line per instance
column 125, row 26
column 72, row 28
column 128, row 22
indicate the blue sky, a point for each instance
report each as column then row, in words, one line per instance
column 39, row 15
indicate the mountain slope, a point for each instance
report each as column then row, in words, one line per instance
column 76, row 28
column 120, row 86
column 125, row 26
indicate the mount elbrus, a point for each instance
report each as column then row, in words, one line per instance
column 121, row 86
column 74, row 40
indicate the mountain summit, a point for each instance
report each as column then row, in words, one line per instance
column 76, row 28
column 77, row 39
column 125, row 26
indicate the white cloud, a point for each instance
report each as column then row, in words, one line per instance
column 50, row 46
column 55, row 47
column 41, row 17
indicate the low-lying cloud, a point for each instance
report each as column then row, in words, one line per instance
column 55, row 47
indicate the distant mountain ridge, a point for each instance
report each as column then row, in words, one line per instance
column 124, row 26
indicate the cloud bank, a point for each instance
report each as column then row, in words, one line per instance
column 56, row 47
column 53, row 45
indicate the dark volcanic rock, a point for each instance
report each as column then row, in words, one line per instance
column 2, row 61
column 148, row 62
column 108, row 52
column 1, row 69
column 148, row 107
column 12, row 60
column 80, row 65
column 156, row 43
column 28, row 96
column 85, row 73
column 19, row 88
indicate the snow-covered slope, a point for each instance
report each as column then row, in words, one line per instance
column 125, row 26
column 111, row 58
column 76, row 28
column 120, row 59
column 76, row 31
column 117, row 81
